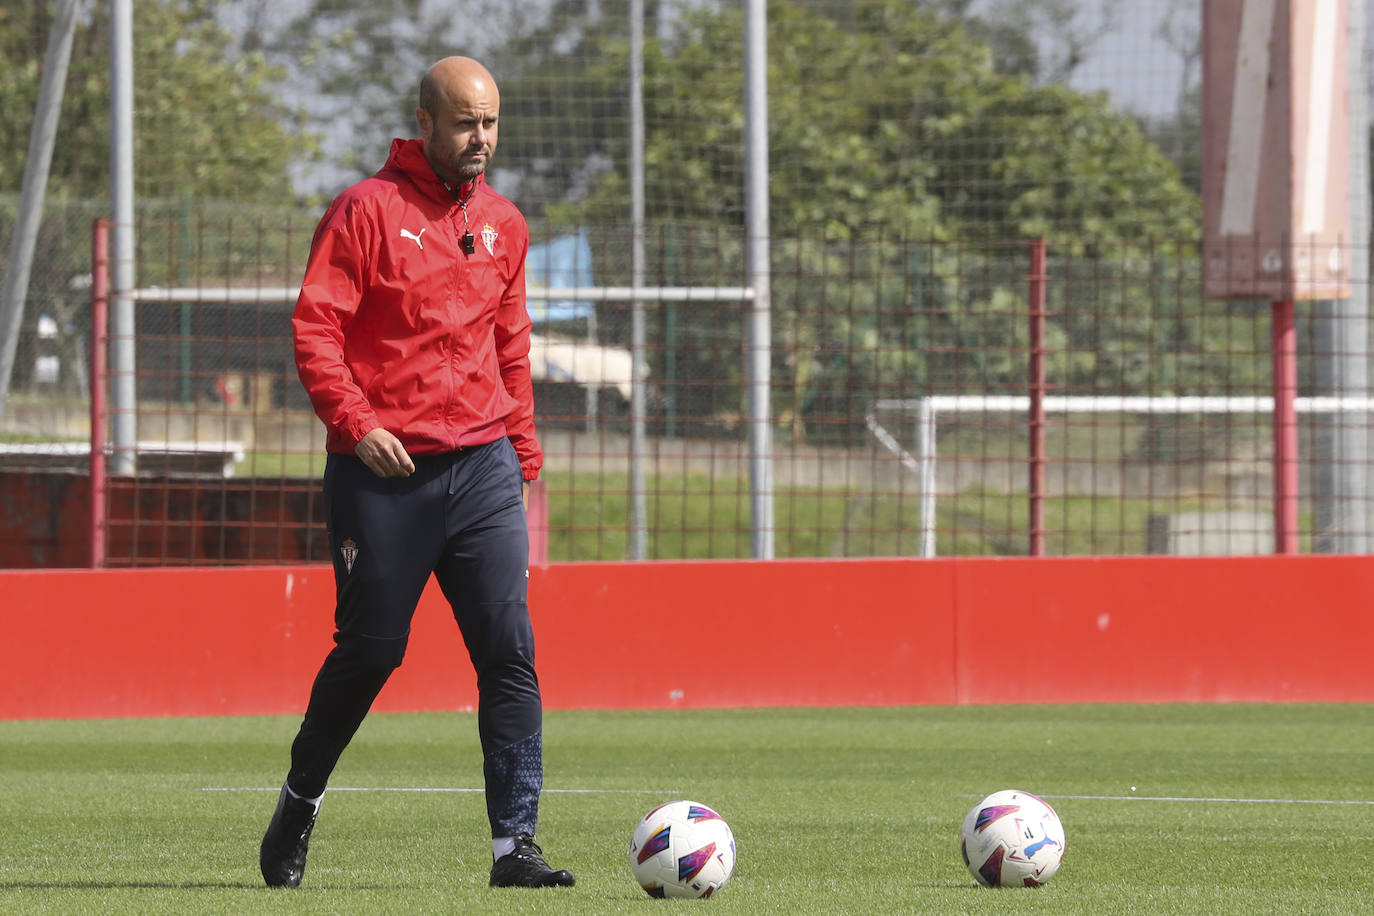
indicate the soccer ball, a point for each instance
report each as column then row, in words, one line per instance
column 682, row 849
column 1012, row 839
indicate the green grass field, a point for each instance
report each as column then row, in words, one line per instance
column 1205, row 809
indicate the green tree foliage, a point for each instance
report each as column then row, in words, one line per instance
column 205, row 125
column 210, row 135
column 907, row 172
column 361, row 65
column 1060, row 164
column 890, row 118
column 1180, row 137
column 564, row 105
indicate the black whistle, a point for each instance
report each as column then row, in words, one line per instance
column 469, row 244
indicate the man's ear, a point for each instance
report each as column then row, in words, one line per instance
column 424, row 122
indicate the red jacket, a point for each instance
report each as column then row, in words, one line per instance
column 397, row 327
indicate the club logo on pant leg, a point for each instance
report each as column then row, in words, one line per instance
column 349, row 549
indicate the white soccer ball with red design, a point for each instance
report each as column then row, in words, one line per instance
column 1012, row 839
column 682, row 849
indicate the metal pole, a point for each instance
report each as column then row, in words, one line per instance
column 100, row 316
column 590, row 396
column 41, row 137
column 639, row 524
column 1341, row 352
column 1037, row 398
column 758, row 360
column 925, row 454
column 1284, row 349
column 122, row 205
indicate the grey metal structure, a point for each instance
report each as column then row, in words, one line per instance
column 41, row 139
column 760, row 335
column 639, row 518
column 124, row 394
column 1343, row 348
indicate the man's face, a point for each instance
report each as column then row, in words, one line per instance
column 460, row 137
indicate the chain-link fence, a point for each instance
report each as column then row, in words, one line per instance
column 916, row 150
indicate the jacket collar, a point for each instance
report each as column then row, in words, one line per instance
column 408, row 156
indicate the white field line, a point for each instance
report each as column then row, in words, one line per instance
column 423, row 789
column 1207, row 799
column 1183, row 799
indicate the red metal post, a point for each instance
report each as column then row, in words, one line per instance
column 1037, row 397
column 1284, row 353
column 537, row 517
column 100, row 318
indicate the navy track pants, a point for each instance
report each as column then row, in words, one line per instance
column 460, row 518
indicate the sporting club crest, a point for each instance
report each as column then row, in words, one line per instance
column 489, row 238
column 349, row 549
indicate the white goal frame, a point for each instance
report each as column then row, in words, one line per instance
column 928, row 410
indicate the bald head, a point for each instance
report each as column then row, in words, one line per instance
column 454, row 77
column 459, row 107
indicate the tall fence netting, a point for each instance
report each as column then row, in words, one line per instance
column 916, row 151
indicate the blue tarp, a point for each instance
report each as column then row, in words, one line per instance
column 562, row 262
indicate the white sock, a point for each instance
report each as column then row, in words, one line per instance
column 314, row 801
column 502, row 846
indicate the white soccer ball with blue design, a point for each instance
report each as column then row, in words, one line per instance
column 682, row 849
column 1012, row 839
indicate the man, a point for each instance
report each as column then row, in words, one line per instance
column 412, row 339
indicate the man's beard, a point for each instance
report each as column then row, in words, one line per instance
column 467, row 170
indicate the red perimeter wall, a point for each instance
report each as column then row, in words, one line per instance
column 737, row 633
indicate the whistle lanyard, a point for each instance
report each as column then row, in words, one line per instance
column 468, row 242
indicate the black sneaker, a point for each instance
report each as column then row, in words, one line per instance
column 525, row 867
column 282, row 856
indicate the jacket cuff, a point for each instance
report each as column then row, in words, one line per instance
column 359, row 427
